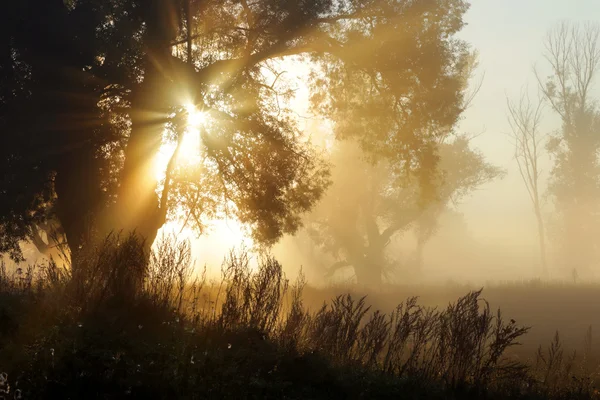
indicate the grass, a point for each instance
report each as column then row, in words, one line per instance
column 127, row 328
column 547, row 307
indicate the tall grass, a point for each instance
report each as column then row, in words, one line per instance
column 125, row 326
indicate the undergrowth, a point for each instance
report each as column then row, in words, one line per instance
column 127, row 327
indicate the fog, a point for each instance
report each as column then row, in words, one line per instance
column 490, row 234
column 330, row 198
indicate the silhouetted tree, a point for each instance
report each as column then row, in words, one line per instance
column 91, row 90
column 524, row 118
column 573, row 55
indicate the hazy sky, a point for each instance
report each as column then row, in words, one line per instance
column 509, row 36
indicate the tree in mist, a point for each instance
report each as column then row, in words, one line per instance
column 573, row 54
column 369, row 204
column 91, row 91
column 524, row 119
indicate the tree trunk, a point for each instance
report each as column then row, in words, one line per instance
column 542, row 241
column 369, row 268
column 137, row 209
column 77, row 206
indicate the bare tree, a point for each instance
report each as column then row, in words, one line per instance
column 573, row 54
column 524, row 118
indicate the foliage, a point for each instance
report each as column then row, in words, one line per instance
column 406, row 86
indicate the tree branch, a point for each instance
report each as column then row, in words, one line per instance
column 168, row 179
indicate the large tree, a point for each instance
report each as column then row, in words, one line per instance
column 369, row 204
column 91, row 90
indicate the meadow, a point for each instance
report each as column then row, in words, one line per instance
column 153, row 331
column 569, row 308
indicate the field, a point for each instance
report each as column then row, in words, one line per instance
column 150, row 331
column 546, row 307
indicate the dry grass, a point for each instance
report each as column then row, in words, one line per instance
column 146, row 329
column 571, row 309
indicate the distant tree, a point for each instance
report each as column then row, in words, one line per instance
column 524, row 118
column 91, row 91
column 573, row 55
column 368, row 204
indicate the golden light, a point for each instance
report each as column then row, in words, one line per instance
column 208, row 250
column 190, row 150
column 195, row 117
column 189, row 153
column 222, row 235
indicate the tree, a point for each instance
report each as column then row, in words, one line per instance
column 524, row 119
column 573, row 54
column 109, row 82
column 369, row 204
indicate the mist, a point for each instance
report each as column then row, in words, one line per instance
column 300, row 199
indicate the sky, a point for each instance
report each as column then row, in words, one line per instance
column 509, row 36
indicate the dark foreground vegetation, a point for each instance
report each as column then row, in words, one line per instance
column 153, row 331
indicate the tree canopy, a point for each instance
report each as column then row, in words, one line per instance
column 91, row 91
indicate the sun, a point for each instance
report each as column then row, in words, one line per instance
column 196, row 118
column 191, row 146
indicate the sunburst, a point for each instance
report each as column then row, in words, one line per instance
column 190, row 149
column 196, row 118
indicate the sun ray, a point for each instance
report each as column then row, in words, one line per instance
column 190, row 150
column 221, row 235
